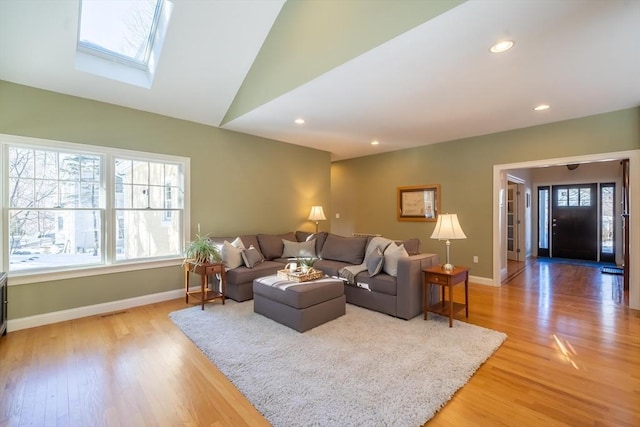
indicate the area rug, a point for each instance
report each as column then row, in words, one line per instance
column 581, row 262
column 364, row 368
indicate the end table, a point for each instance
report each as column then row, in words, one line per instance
column 204, row 270
column 445, row 279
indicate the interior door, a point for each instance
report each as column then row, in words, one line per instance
column 574, row 223
column 513, row 223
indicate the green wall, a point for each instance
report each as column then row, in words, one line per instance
column 239, row 183
column 363, row 190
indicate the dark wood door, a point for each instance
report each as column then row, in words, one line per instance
column 574, row 223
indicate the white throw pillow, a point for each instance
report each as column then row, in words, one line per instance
column 232, row 253
column 391, row 256
column 299, row 249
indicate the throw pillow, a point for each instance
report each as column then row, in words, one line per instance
column 391, row 256
column 251, row 257
column 375, row 262
column 299, row 249
column 232, row 253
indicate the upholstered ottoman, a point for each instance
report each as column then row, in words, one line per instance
column 300, row 306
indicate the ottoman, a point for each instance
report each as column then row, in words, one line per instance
column 300, row 306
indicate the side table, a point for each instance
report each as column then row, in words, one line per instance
column 445, row 279
column 204, row 270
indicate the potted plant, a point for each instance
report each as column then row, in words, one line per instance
column 306, row 263
column 201, row 250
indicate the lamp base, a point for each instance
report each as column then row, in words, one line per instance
column 448, row 267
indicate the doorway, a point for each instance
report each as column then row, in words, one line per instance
column 499, row 257
column 515, row 220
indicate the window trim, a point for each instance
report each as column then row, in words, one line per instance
column 111, row 265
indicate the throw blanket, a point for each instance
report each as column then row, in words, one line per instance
column 349, row 273
column 284, row 284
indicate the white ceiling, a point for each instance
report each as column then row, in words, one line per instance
column 434, row 83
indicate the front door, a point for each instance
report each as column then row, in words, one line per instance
column 574, row 223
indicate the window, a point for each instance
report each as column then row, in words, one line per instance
column 122, row 30
column 150, row 221
column 543, row 220
column 55, row 215
column 122, row 40
column 574, row 196
column 607, row 222
column 71, row 206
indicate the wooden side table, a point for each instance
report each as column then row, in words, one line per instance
column 204, row 270
column 445, row 279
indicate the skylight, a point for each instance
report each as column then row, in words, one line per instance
column 123, row 33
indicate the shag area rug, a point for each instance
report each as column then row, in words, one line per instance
column 364, row 368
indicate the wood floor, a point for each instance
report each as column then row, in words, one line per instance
column 572, row 359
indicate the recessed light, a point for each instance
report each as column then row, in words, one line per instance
column 502, row 46
column 375, row 142
column 542, row 107
column 299, row 121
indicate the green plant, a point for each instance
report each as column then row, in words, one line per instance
column 202, row 250
column 308, row 262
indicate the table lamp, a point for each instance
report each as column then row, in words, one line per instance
column 316, row 214
column 448, row 228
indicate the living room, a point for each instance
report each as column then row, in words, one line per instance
column 241, row 184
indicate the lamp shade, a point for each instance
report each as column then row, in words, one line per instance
column 448, row 228
column 316, row 214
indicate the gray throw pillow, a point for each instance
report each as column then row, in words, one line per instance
column 251, row 257
column 375, row 262
column 299, row 249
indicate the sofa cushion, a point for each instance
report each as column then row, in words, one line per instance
column 375, row 262
column 299, row 249
column 391, row 256
column 346, row 249
column 232, row 253
column 243, row 274
column 251, row 257
column 303, row 236
column 412, row 246
column 381, row 283
column 251, row 240
column 271, row 245
column 329, row 267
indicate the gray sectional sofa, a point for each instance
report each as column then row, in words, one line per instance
column 379, row 274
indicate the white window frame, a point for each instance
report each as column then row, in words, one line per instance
column 110, row 265
column 108, row 66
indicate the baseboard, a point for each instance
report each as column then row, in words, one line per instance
column 90, row 310
column 482, row 280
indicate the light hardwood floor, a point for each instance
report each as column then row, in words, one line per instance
column 572, row 358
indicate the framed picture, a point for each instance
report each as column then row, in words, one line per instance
column 419, row 203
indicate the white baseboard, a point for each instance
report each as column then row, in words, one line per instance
column 90, row 310
column 482, row 280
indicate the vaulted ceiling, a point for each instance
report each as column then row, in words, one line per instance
column 404, row 73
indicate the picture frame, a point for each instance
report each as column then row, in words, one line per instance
column 419, row 203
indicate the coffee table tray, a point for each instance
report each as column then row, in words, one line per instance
column 299, row 276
